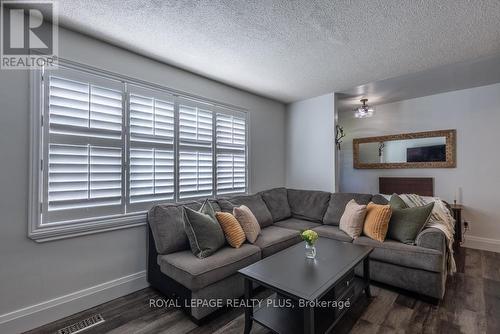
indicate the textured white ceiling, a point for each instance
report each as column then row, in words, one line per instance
column 445, row 78
column 290, row 50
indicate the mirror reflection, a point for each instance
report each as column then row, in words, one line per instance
column 431, row 149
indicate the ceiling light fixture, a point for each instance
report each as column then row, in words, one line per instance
column 364, row 111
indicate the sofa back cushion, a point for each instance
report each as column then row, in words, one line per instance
column 253, row 202
column 338, row 202
column 214, row 204
column 277, row 202
column 308, row 204
column 380, row 199
column 167, row 226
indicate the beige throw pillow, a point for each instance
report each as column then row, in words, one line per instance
column 353, row 219
column 248, row 222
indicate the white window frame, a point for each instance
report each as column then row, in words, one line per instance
column 46, row 232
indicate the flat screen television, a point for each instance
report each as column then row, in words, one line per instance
column 426, row 153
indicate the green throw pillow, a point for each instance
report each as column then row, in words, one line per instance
column 397, row 202
column 203, row 230
column 406, row 223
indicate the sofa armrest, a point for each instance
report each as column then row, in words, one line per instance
column 432, row 238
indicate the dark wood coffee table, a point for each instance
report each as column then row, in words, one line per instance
column 305, row 289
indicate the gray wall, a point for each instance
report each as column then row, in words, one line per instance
column 35, row 273
column 475, row 114
column 310, row 144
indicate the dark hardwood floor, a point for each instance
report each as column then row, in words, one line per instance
column 471, row 305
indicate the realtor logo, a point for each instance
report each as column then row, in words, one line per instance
column 29, row 36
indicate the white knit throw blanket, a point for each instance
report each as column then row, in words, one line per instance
column 440, row 218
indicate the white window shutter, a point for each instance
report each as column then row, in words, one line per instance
column 151, row 119
column 195, row 151
column 151, row 175
column 195, row 174
column 84, row 159
column 82, row 176
column 113, row 148
column 152, row 157
column 83, row 108
column 68, row 102
column 231, row 173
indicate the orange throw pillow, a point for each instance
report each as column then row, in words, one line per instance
column 377, row 221
column 235, row 235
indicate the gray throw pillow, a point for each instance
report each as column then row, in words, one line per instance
column 406, row 223
column 203, row 230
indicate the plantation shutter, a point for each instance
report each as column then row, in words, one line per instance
column 195, row 150
column 152, row 158
column 83, row 162
column 111, row 148
column 231, row 153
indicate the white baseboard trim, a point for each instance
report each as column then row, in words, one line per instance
column 492, row 245
column 39, row 314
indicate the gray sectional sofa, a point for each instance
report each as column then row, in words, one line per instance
column 282, row 213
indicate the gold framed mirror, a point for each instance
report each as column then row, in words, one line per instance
column 430, row 149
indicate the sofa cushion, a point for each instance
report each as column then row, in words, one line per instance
column 380, row 199
column 214, row 204
column 253, row 202
column 195, row 273
column 296, row 224
column 274, row 239
column 308, row 204
column 277, row 202
column 401, row 254
column 337, row 204
column 203, row 230
column 332, row 232
column 167, row 226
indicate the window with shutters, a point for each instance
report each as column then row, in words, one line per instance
column 84, row 147
column 152, row 158
column 195, row 150
column 106, row 148
column 230, row 154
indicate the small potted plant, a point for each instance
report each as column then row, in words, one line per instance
column 310, row 237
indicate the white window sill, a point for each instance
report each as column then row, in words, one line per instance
column 71, row 230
